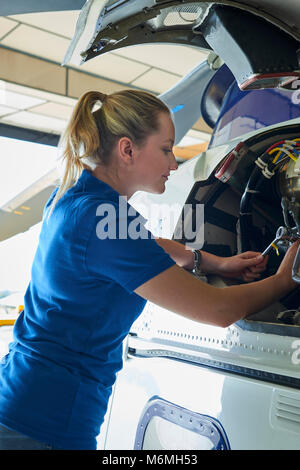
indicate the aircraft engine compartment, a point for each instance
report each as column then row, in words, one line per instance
column 243, row 210
column 252, row 202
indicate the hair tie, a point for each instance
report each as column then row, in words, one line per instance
column 103, row 97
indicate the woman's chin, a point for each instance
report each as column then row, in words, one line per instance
column 158, row 189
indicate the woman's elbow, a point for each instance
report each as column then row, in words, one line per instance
column 225, row 319
column 225, row 322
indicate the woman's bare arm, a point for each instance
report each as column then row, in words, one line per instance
column 246, row 266
column 180, row 292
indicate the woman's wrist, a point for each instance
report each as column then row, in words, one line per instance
column 189, row 260
column 178, row 252
column 211, row 264
column 286, row 281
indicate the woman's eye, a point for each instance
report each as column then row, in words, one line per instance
column 167, row 150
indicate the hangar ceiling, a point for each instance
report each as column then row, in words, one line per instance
column 37, row 92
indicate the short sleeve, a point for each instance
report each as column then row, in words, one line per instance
column 122, row 249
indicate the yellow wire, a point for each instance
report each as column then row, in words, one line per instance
column 283, row 150
column 277, row 156
column 275, row 248
column 273, row 150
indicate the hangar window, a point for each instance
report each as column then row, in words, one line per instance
column 26, row 179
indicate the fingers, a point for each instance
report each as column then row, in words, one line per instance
column 255, row 270
column 290, row 255
column 254, row 260
column 249, row 276
column 294, row 247
column 252, row 271
column 259, row 268
column 250, row 254
column 256, row 265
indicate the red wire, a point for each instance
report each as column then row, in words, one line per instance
column 297, row 144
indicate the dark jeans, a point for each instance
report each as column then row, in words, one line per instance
column 13, row 440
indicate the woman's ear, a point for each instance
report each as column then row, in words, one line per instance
column 125, row 147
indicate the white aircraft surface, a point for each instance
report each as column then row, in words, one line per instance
column 186, row 385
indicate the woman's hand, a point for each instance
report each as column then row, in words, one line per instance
column 202, row 302
column 285, row 268
column 246, row 266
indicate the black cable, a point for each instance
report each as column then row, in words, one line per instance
column 252, row 190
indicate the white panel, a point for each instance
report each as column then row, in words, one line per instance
column 60, row 22
column 37, row 42
column 156, row 80
column 114, row 67
column 174, row 58
column 36, row 121
column 241, row 404
column 6, row 25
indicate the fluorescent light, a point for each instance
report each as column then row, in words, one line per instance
column 6, row 110
column 35, row 93
column 36, row 121
column 17, row 100
column 55, row 110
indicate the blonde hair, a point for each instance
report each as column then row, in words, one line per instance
column 91, row 134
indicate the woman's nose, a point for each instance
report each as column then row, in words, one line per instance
column 173, row 162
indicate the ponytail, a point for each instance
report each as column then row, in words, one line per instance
column 80, row 141
column 91, row 134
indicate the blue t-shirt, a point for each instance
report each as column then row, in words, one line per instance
column 93, row 252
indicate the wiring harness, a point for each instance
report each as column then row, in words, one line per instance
column 265, row 168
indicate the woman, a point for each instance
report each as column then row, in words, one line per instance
column 91, row 278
